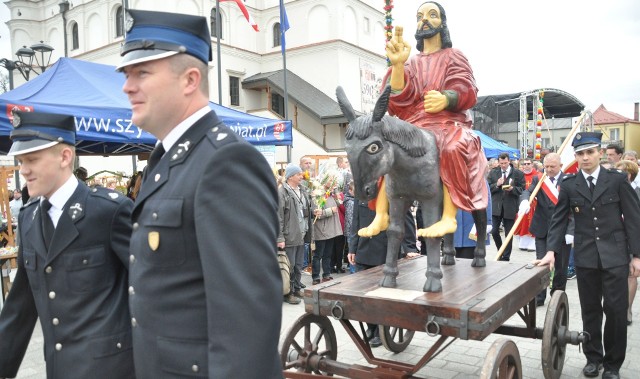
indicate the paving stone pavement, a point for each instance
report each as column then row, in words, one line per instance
column 461, row 359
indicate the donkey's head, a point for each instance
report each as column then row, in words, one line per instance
column 369, row 152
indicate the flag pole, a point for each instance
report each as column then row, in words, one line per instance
column 573, row 130
column 218, row 32
column 284, row 68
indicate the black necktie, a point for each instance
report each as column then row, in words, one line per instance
column 47, row 223
column 504, row 174
column 155, row 156
column 553, row 180
column 591, row 185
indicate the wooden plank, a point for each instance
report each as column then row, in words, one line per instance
column 474, row 301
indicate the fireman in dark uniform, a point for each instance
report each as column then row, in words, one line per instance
column 72, row 262
column 204, row 272
column 607, row 225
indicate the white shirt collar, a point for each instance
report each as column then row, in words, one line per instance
column 177, row 132
column 594, row 174
column 60, row 198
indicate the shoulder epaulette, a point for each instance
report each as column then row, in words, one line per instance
column 106, row 193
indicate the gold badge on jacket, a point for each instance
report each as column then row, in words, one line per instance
column 154, row 240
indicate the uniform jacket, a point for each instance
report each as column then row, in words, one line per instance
column 541, row 219
column 600, row 231
column 78, row 289
column 505, row 200
column 206, row 289
column 289, row 206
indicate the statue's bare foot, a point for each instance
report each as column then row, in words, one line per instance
column 380, row 223
column 439, row 229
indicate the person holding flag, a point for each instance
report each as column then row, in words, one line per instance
column 539, row 227
column 607, row 222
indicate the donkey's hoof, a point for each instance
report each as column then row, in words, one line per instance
column 478, row 262
column 448, row 260
column 388, row 281
column 432, row 285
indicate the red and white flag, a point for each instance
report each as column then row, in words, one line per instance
column 567, row 157
column 246, row 14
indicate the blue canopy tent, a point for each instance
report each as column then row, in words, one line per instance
column 92, row 93
column 493, row 148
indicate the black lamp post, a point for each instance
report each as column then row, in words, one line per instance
column 24, row 65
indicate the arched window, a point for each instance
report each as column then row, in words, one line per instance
column 216, row 19
column 119, row 22
column 75, row 37
column 276, row 34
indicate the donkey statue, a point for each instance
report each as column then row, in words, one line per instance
column 380, row 145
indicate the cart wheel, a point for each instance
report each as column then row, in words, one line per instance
column 301, row 349
column 556, row 323
column 502, row 361
column 396, row 339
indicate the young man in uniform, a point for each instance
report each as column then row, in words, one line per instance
column 72, row 261
column 607, row 222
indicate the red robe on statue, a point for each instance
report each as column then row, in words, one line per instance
column 462, row 161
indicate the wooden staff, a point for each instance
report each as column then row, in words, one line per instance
column 536, row 189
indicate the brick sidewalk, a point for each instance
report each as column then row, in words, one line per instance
column 462, row 359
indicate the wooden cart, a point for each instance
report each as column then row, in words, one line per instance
column 474, row 303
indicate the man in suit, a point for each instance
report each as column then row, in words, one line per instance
column 205, row 285
column 506, row 184
column 547, row 198
column 72, row 261
column 607, row 222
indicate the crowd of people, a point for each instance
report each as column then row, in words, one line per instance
column 174, row 283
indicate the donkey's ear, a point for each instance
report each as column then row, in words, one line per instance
column 382, row 104
column 345, row 105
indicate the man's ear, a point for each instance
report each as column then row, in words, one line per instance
column 192, row 78
column 68, row 156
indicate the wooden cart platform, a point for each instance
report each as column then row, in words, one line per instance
column 474, row 302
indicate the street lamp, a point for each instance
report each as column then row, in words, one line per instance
column 24, row 65
column 45, row 51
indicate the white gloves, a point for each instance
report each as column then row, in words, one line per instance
column 568, row 239
column 524, row 207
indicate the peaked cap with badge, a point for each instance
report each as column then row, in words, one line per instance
column 35, row 131
column 156, row 35
column 586, row 140
column 185, row 224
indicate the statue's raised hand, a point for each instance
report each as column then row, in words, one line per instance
column 397, row 48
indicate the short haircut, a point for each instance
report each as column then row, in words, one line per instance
column 504, row 156
column 617, row 148
column 631, row 153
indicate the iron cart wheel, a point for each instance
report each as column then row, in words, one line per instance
column 309, row 340
column 556, row 325
column 502, row 361
column 396, row 339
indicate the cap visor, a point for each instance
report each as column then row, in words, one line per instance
column 24, row 147
column 140, row 56
column 585, row 147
